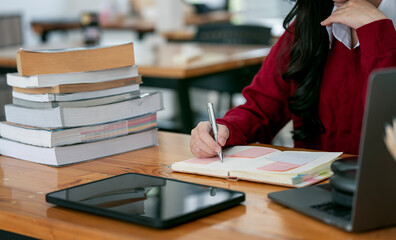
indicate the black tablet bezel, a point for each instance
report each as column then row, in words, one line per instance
column 146, row 221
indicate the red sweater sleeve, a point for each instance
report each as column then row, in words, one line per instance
column 266, row 109
column 378, row 46
column 378, row 42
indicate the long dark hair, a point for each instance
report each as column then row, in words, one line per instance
column 307, row 58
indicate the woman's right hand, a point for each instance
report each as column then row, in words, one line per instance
column 354, row 13
column 202, row 143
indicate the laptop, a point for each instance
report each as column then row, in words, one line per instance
column 374, row 202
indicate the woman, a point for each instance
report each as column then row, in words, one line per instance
column 316, row 75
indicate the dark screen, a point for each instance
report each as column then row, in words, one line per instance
column 147, row 196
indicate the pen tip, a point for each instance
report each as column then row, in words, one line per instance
column 220, row 156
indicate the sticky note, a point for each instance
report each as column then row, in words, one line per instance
column 253, row 152
column 296, row 157
column 202, row 160
column 278, row 166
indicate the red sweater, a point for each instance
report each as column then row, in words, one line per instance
column 342, row 94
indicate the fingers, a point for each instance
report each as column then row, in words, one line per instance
column 394, row 127
column 354, row 13
column 202, row 144
column 390, row 141
column 201, row 140
column 330, row 20
column 335, row 17
column 390, row 138
column 223, row 134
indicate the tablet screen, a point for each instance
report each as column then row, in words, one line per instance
column 148, row 200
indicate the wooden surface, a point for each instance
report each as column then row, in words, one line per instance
column 23, row 209
column 174, row 60
column 8, row 57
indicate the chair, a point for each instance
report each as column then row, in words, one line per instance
column 10, row 30
column 206, row 6
column 227, row 33
column 10, row 35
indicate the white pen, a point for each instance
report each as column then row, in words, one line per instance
column 212, row 119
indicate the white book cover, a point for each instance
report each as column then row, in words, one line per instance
column 62, row 117
column 53, row 137
column 49, row 97
column 78, row 103
column 51, row 80
column 59, row 156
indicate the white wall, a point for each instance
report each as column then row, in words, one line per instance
column 73, row 8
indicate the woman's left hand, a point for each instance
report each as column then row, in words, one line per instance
column 354, row 13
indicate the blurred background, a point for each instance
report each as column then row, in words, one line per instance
column 237, row 27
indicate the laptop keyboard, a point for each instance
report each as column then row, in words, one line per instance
column 335, row 210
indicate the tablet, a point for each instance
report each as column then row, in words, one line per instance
column 147, row 200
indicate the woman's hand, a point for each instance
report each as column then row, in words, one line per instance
column 354, row 13
column 390, row 138
column 202, row 144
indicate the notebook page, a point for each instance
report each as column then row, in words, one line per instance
column 322, row 158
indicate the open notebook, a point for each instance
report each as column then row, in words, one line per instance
column 263, row 164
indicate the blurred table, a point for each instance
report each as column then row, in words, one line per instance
column 141, row 26
column 223, row 68
column 180, row 66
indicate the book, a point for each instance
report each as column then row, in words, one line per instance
column 54, row 137
column 82, row 59
column 81, row 87
column 59, row 156
column 51, row 80
column 263, row 164
column 49, row 97
column 63, row 117
column 78, row 103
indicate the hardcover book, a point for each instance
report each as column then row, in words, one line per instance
column 70, row 60
column 64, row 117
column 51, row 80
column 58, row 156
column 81, row 87
column 54, row 137
column 78, row 103
column 60, row 97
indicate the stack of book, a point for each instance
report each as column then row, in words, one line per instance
column 77, row 104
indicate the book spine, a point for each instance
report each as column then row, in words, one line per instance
column 81, row 87
column 306, row 177
column 19, row 61
column 74, row 60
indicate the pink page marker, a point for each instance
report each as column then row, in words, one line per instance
column 278, row 166
column 253, row 152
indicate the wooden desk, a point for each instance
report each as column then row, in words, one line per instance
column 218, row 67
column 23, row 209
column 141, row 26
